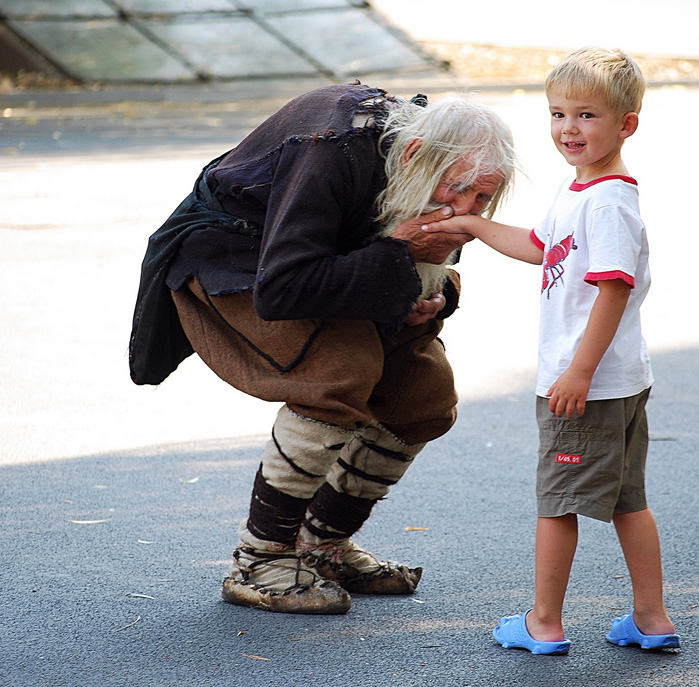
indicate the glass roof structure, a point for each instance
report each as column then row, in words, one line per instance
column 137, row 41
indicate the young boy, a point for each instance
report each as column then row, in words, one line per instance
column 594, row 372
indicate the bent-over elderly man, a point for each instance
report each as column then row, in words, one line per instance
column 298, row 271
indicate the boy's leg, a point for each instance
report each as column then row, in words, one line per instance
column 556, row 541
column 638, row 536
column 636, row 528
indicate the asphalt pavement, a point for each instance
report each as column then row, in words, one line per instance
column 119, row 504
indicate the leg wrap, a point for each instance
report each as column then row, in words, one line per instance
column 333, row 515
column 300, row 452
column 274, row 516
column 371, row 463
column 294, row 465
column 368, row 466
column 364, row 473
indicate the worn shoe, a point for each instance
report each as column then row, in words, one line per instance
column 624, row 632
column 512, row 633
column 282, row 583
column 356, row 570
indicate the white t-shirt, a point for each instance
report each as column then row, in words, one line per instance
column 593, row 232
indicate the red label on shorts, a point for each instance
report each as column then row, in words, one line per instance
column 568, row 458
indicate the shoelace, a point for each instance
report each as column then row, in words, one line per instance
column 267, row 558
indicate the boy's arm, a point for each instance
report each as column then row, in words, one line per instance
column 569, row 392
column 515, row 242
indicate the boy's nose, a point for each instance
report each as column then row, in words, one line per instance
column 569, row 126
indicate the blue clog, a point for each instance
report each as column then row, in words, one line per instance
column 512, row 633
column 625, row 632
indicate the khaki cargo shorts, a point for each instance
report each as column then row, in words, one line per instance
column 593, row 465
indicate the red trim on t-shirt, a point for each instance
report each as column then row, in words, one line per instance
column 535, row 240
column 575, row 186
column 594, row 277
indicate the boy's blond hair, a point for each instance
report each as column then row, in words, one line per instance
column 610, row 73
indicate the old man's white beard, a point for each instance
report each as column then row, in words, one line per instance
column 433, row 277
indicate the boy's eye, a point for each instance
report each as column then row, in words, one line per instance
column 587, row 115
column 557, row 115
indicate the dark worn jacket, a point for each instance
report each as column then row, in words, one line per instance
column 288, row 214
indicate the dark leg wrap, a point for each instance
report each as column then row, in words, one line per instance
column 275, row 516
column 397, row 455
column 343, row 513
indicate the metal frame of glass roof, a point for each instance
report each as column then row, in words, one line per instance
column 174, row 41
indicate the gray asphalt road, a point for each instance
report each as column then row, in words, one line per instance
column 119, row 505
column 112, row 566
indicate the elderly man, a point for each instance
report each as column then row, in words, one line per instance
column 294, row 271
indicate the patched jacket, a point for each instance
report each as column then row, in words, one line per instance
column 288, row 214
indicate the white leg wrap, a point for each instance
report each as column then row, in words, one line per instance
column 372, row 462
column 297, row 458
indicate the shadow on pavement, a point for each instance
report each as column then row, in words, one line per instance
column 112, row 566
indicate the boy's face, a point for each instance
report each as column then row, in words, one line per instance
column 589, row 134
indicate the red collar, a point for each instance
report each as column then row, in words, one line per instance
column 575, row 186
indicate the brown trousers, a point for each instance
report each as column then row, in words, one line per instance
column 338, row 371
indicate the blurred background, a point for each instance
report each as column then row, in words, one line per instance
column 44, row 42
column 109, row 109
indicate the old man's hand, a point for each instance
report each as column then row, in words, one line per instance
column 426, row 309
column 428, row 247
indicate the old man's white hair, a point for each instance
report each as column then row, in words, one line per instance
column 451, row 129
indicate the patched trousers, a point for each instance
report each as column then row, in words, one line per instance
column 340, row 372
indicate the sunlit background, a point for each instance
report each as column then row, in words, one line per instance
column 110, row 109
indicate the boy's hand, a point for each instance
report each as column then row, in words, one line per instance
column 512, row 241
column 453, row 225
column 568, row 394
column 423, row 247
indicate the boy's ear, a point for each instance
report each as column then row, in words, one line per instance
column 410, row 149
column 629, row 124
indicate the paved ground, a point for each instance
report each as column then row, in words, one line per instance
column 119, row 504
column 133, row 597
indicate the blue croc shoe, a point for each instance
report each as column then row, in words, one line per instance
column 512, row 633
column 625, row 632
